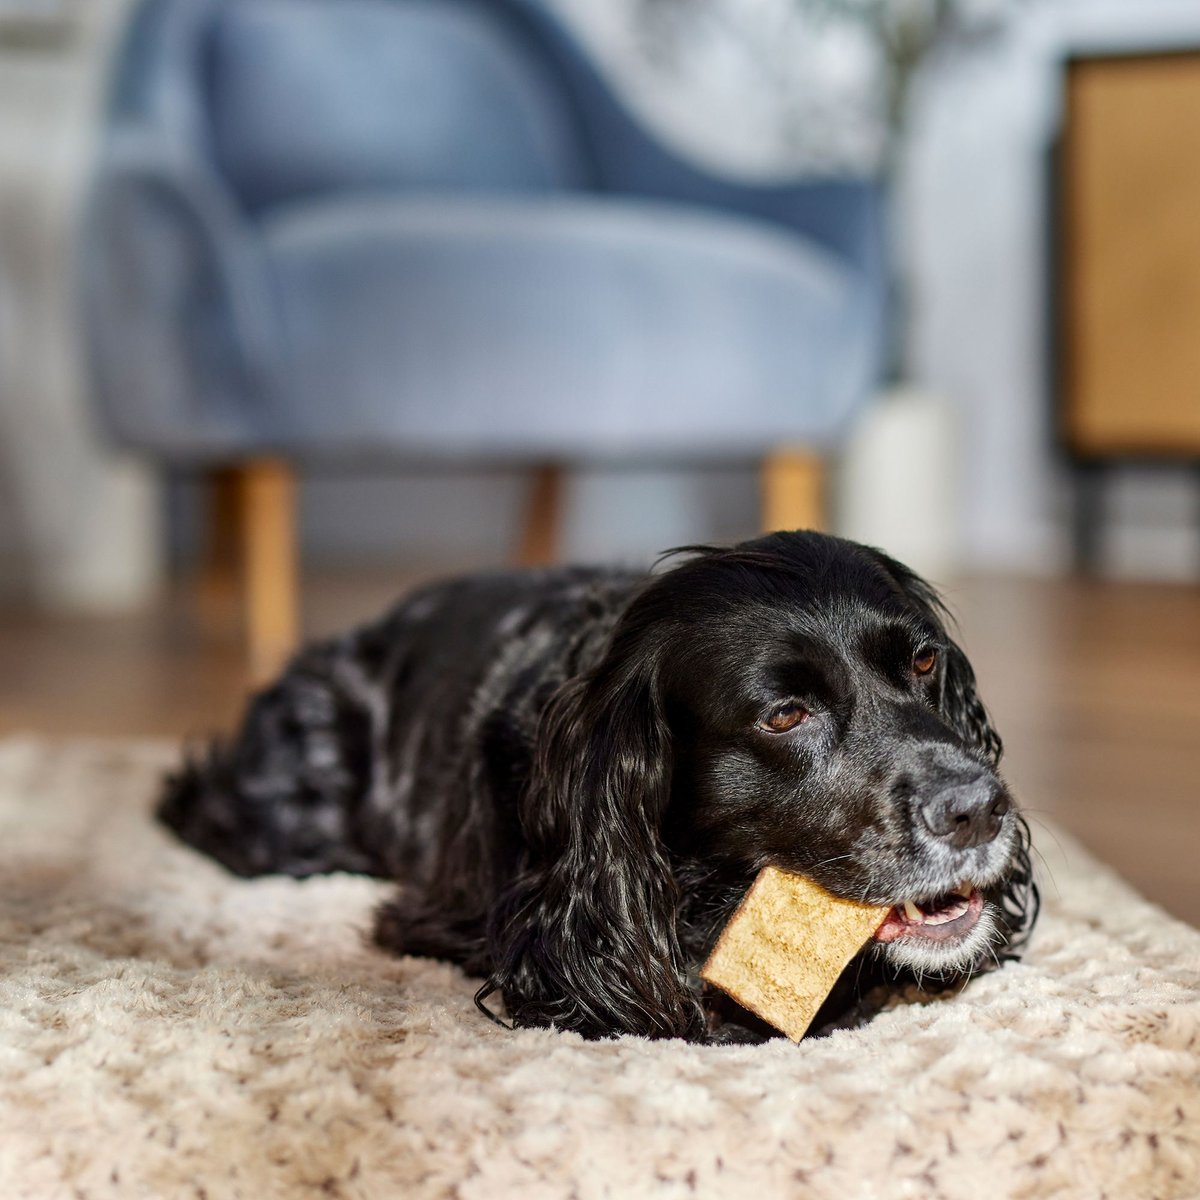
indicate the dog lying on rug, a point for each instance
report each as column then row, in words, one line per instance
column 575, row 775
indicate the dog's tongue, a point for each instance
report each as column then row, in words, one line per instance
column 938, row 918
column 894, row 925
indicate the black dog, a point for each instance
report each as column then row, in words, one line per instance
column 575, row 774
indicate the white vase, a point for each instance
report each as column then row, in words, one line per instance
column 897, row 483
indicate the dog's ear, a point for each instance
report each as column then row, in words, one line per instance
column 960, row 703
column 585, row 938
column 963, row 708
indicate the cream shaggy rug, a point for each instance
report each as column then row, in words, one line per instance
column 167, row 1031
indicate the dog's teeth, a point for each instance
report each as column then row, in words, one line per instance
column 912, row 912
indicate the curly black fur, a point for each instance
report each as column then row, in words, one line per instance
column 571, row 774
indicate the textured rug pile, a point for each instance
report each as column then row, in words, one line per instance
column 167, row 1031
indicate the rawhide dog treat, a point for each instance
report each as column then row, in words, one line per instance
column 785, row 946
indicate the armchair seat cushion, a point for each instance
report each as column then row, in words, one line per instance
column 566, row 326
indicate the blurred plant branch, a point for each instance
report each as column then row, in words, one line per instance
column 902, row 33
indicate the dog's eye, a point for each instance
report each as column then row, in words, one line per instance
column 785, row 717
column 924, row 660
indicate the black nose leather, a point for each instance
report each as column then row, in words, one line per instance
column 966, row 814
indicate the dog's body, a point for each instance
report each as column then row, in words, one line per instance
column 575, row 774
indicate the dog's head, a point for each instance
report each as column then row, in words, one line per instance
column 794, row 701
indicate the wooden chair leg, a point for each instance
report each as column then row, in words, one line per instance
column 793, row 490
column 218, row 585
column 270, row 573
column 249, row 561
column 543, row 518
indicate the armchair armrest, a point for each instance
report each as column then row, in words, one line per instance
column 176, row 304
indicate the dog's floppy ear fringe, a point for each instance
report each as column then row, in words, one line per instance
column 1019, row 899
column 960, row 702
column 585, row 938
column 963, row 708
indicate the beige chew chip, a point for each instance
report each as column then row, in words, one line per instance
column 785, row 946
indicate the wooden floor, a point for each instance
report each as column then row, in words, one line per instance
column 1095, row 687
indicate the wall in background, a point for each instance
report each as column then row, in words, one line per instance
column 453, row 518
column 622, row 514
column 78, row 525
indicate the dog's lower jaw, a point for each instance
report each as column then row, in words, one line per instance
column 976, row 950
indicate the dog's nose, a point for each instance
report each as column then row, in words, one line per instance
column 966, row 814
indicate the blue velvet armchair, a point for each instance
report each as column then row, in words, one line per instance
column 324, row 230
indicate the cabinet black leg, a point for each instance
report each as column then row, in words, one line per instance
column 1196, row 477
column 1088, row 516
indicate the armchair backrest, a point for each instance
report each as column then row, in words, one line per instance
column 296, row 98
